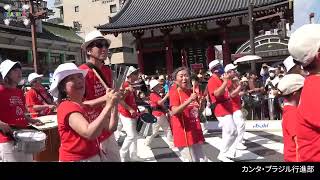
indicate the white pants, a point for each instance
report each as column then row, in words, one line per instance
column 240, row 124
column 110, row 150
column 162, row 122
column 117, row 133
column 8, row 154
column 229, row 134
column 129, row 146
column 95, row 158
column 193, row 153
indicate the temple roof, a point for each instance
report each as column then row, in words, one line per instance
column 149, row 14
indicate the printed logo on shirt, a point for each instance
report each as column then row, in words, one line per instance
column 19, row 111
column 15, row 101
column 194, row 113
column 99, row 90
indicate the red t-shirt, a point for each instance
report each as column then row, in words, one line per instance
column 223, row 103
column 154, row 98
column 12, row 109
column 33, row 98
column 236, row 101
column 130, row 100
column 189, row 120
column 289, row 120
column 308, row 126
column 73, row 147
column 94, row 90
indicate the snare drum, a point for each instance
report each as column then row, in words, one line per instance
column 29, row 141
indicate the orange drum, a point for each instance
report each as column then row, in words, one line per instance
column 50, row 128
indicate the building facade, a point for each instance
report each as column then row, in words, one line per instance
column 85, row 15
column 56, row 44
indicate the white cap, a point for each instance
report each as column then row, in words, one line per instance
column 131, row 70
column 63, row 71
column 34, row 76
column 230, row 67
column 213, row 64
column 272, row 69
column 304, row 43
column 290, row 83
column 92, row 36
column 6, row 66
column 153, row 83
column 289, row 63
column 161, row 77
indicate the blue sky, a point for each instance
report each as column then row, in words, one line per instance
column 302, row 9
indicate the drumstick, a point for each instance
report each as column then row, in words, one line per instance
column 100, row 79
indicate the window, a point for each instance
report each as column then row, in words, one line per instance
column 76, row 9
column 113, row 8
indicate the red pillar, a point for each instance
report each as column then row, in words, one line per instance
column 226, row 53
column 169, row 56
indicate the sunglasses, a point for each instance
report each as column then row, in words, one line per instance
column 100, row 44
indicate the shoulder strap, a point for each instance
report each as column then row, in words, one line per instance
column 45, row 99
column 91, row 66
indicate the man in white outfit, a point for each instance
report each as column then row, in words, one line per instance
column 219, row 95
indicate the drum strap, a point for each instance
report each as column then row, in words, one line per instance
column 184, row 127
column 45, row 99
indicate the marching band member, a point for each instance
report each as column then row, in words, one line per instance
column 96, row 48
column 185, row 119
column 304, row 47
column 290, row 87
column 159, row 111
column 38, row 101
column 218, row 92
column 234, row 90
column 13, row 110
column 128, row 116
column 78, row 133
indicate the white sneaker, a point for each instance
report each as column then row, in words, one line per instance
column 241, row 147
column 136, row 159
column 224, row 158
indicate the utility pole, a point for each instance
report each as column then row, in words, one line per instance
column 34, row 37
column 251, row 30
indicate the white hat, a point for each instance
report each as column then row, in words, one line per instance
column 131, row 70
column 304, row 43
column 34, row 76
column 92, row 36
column 213, row 64
column 153, row 83
column 230, row 67
column 161, row 77
column 289, row 63
column 62, row 71
column 6, row 66
column 290, row 83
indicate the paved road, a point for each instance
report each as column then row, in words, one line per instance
column 262, row 147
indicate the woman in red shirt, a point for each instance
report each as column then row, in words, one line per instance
column 78, row 134
column 159, row 111
column 38, row 101
column 185, row 118
column 13, row 111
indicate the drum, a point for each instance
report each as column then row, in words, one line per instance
column 29, row 141
column 50, row 128
column 145, row 120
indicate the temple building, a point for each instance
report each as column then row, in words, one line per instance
column 172, row 33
